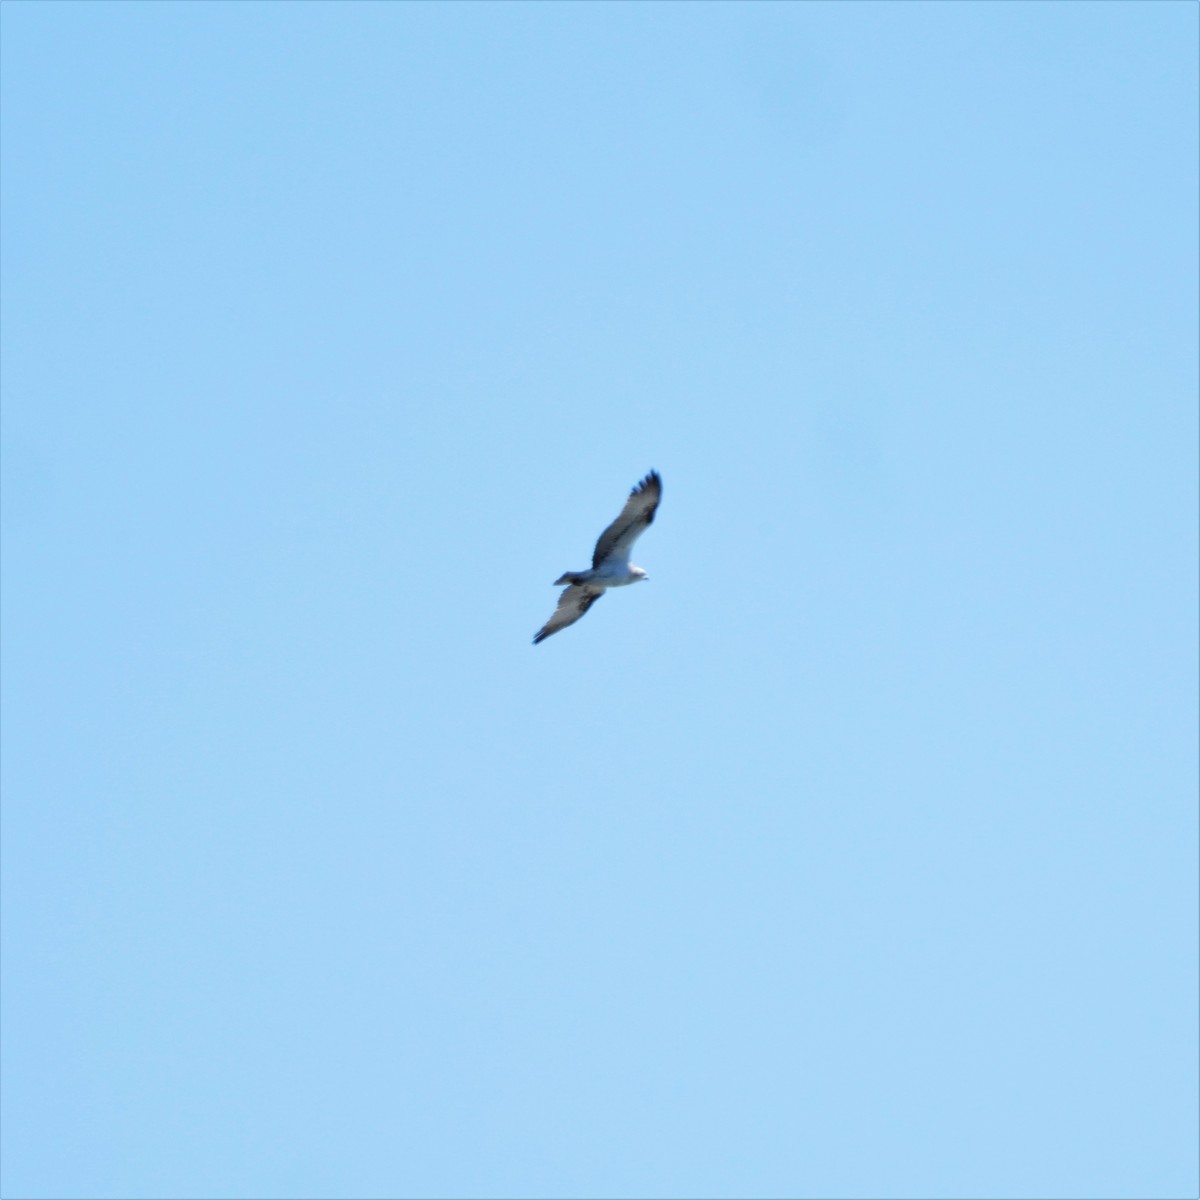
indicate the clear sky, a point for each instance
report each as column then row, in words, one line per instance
column 854, row 854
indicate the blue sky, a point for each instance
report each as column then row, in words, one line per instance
column 854, row 854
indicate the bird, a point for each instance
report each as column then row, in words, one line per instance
column 610, row 560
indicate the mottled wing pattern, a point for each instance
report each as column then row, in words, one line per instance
column 617, row 540
column 572, row 604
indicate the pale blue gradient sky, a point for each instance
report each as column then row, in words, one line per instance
column 855, row 854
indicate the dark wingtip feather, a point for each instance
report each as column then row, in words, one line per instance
column 653, row 478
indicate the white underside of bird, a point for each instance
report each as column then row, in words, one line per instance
column 611, row 574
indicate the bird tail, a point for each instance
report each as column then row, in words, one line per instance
column 571, row 577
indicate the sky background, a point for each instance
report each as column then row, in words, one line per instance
column 854, row 854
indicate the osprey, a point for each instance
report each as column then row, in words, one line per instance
column 610, row 561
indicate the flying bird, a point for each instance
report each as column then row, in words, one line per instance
column 610, row 561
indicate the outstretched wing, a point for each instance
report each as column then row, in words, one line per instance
column 617, row 540
column 572, row 604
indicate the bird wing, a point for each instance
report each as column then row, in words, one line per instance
column 617, row 540
column 572, row 604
